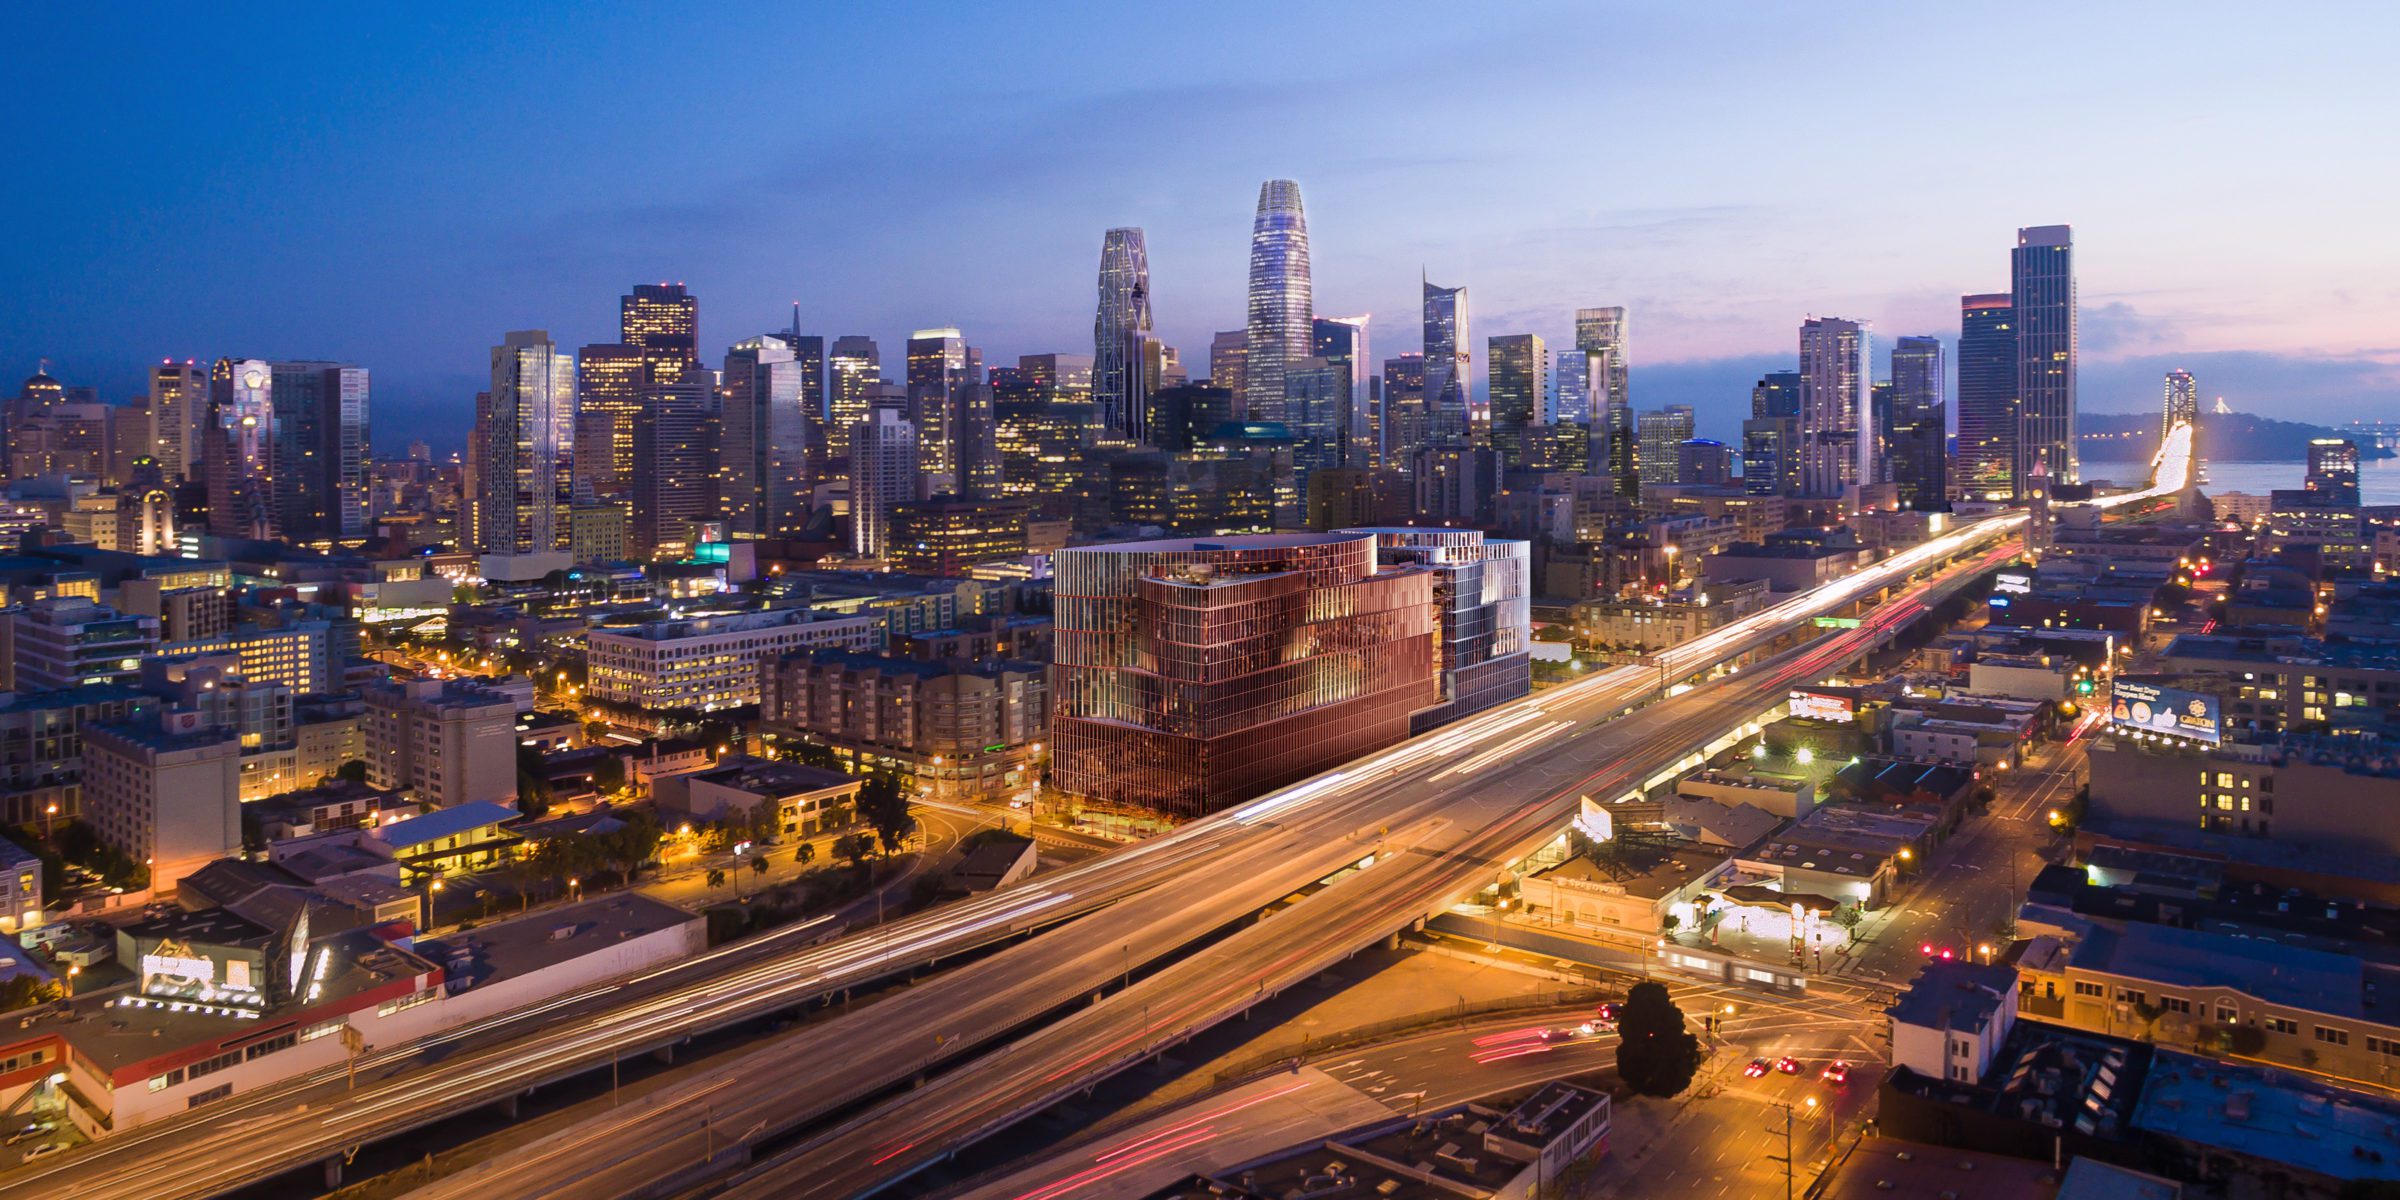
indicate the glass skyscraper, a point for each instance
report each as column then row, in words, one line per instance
column 662, row 320
column 763, row 440
column 517, row 468
column 1836, row 426
column 1771, row 437
column 1601, row 334
column 1915, row 436
column 2042, row 291
column 1121, row 382
column 1448, row 370
column 1987, row 398
column 1281, row 301
column 1519, row 367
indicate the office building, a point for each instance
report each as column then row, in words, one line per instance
column 662, row 322
column 1121, row 381
column 1406, row 426
column 62, row 642
column 178, row 405
column 1516, row 364
column 675, row 443
column 710, row 661
column 1483, row 598
column 1703, row 462
column 517, row 483
column 1601, row 333
column 2182, row 402
column 41, row 746
column 1449, row 374
column 304, row 656
column 2042, row 296
column 1455, row 485
column 1915, row 434
column 1660, row 437
column 608, row 403
column 856, row 366
column 449, row 741
column 164, row 797
column 2333, row 471
column 951, row 408
column 237, row 448
column 884, row 473
column 949, row 536
column 1228, row 362
column 321, row 451
column 1357, row 418
column 1281, row 302
column 1836, row 434
column 1571, row 388
column 1771, row 437
column 1323, row 681
column 1060, row 378
column 763, row 440
column 1987, row 398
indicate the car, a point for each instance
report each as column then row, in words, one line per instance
column 1757, row 1068
column 1609, row 1011
column 1836, row 1071
column 44, row 1150
column 1788, row 1065
column 1587, row 1029
column 30, row 1132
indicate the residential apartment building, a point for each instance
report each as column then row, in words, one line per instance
column 449, row 741
column 166, row 793
column 972, row 729
column 41, row 747
column 714, row 660
column 69, row 641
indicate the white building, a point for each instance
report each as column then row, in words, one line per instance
column 883, row 473
column 449, row 741
column 1950, row 1022
column 167, row 796
column 712, row 661
column 68, row 641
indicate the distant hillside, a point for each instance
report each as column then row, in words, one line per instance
column 2225, row 437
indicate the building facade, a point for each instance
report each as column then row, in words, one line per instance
column 448, row 741
column 1281, row 301
column 710, row 661
column 2042, row 297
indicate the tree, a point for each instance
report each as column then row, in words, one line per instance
column 758, row 866
column 855, row 847
column 608, row 774
column 354, row 771
column 716, row 878
column 1656, row 1055
column 806, row 854
column 533, row 786
column 884, row 804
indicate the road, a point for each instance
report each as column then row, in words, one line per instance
column 1436, row 824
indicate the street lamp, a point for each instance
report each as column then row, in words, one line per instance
column 73, row 970
column 49, row 818
column 1985, row 949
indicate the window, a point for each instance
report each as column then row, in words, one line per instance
column 2089, row 989
column 218, row 1092
column 2175, row 1004
column 2282, row 1025
column 209, row 1066
column 2333, row 1037
column 2126, row 995
column 271, row 1045
column 2227, row 1014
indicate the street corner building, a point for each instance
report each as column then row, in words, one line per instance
column 1190, row 675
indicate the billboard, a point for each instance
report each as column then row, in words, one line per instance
column 2158, row 708
column 1818, row 706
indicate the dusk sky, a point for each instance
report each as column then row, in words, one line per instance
column 396, row 190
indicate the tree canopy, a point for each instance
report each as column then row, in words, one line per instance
column 1656, row 1055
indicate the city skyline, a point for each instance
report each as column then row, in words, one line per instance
column 1714, row 272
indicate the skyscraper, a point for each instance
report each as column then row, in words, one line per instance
column 663, row 322
column 1449, row 372
column 1281, row 300
column 937, row 364
column 2042, row 291
column 1571, row 388
column 1406, row 427
column 178, row 404
column 1517, row 364
column 2182, row 402
column 1601, row 334
column 1120, row 382
column 856, row 367
column 808, row 354
column 1660, row 436
column 1771, row 437
column 675, row 465
column 1916, row 439
column 763, row 443
column 321, row 451
column 238, row 448
column 1342, row 343
column 515, row 481
column 1836, row 434
column 1228, row 361
column 883, row 475
column 2332, row 471
column 1987, row 398
column 609, row 379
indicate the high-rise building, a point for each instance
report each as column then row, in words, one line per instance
column 1121, row 380
column 1571, row 388
column 1483, row 598
column 1517, row 364
column 451, row 741
column 884, row 472
column 2042, row 291
column 1771, row 437
column 675, row 464
column 808, row 354
column 1449, row 372
column 1987, row 398
column 1703, row 462
column 2333, row 471
column 1406, row 427
column 763, row 440
column 1835, row 422
column 1281, row 299
column 238, row 448
column 940, row 367
column 856, row 366
column 178, row 405
column 1660, row 436
column 1228, row 362
column 608, row 401
column 1142, row 711
column 1916, row 435
column 1601, row 333
column 1353, row 425
column 516, row 488
column 321, row 451
column 663, row 322
column 2182, row 402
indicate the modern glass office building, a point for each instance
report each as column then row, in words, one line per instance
column 1119, row 325
column 1483, row 595
column 1281, row 299
column 1190, row 675
column 2042, row 287
column 1987, row 398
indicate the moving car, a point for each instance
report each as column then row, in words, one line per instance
column 1757, row 1068
column 1836, row 1071
column 1788, row 1065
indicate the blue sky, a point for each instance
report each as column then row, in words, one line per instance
column 397, row 187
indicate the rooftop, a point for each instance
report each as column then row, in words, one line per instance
column 1960, row 996
column 2269, row 1114
column 523, row 945
column 1644, row 872
column 1883, row 1167
column 765, row 776
column 2270, row 971
column 445, row 822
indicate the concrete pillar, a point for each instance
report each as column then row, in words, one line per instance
column 665, row 1055
column 508, row 1107
column 333, row 1172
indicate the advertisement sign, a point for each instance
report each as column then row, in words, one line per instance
column 2013, row 583
column 1817, row 706
column 2168, row 710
